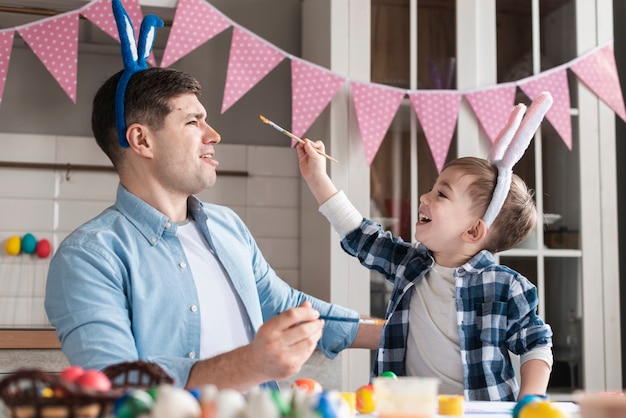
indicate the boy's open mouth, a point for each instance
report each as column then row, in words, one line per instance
column 423, row 218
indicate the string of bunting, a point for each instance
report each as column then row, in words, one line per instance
column 54, row 40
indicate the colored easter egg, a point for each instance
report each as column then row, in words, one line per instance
column 13, row 245
column 526, row 399
column 365, row 400
column 133, row 404
column 29, row 243
column 542, row 409
column 72, row 373
column 94, row 379
column 389, row 374
column 43, row 248
column 307, row 385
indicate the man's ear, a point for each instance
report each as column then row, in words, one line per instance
column 476, row 232
column 139, row 139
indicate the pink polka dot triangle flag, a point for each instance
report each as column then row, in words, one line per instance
column 375, row 105
column 312, row 88
column 554, row 81
column 599, row 73
column 492, row 107
column 99, row 13
column 437, row 111
column 6, row 46
column 251, row 58
column 195, row 22
column 55, row 42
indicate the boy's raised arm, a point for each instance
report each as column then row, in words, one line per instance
column 313, row 170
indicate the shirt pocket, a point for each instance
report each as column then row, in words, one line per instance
column 493, row 319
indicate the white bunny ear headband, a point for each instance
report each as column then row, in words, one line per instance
column 134, row 57
column 510, row 146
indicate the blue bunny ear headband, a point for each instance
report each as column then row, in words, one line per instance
column 510, row 146
column 134, row 57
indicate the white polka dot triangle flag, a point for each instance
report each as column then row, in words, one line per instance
column 6, row 45
column 312, row 89
column 375, row 105
column 195, row 22
column 599, row 73
column 492, row 107
column 100, row 13
column 437, row 111
column 55, row 42
column 251, row 58
column 556, row 83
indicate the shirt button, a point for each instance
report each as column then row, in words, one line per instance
column 193, row 308
column 182, row 264
column 168, row 225
column 153, row 240
column 192, row 354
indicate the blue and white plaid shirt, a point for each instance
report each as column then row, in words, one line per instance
column 496, row 311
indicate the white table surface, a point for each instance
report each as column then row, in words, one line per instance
column 477, row 409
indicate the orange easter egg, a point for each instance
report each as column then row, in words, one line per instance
column 365, row 399
column 307, row 385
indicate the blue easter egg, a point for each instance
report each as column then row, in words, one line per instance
column 29, row 243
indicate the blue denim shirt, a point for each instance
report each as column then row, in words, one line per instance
column 119, row 287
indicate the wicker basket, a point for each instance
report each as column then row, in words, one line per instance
column 137, row 374
column 31, row 393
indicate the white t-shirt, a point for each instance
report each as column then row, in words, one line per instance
column 224, row 321
column 433, row 345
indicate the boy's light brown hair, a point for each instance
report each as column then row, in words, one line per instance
column 518, row 215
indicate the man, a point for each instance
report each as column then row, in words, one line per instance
column 163, row 277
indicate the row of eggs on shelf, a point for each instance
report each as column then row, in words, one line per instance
column 28, row 244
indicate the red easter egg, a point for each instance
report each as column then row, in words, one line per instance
column 94, row 379
column 43, row 248
column 72, row 373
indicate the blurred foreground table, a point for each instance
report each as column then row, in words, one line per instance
column 477, row 409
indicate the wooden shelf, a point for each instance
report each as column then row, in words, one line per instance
column 28, row 338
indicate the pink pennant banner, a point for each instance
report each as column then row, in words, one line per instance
column 375, row 105
column 312, row 88
column 554, row 82
column 251, row 59
column 195, row 22
column 437, row 112
column 599, row 72
column 100, row 13
column 55, row 42
column 6, row 47
column 492, row 107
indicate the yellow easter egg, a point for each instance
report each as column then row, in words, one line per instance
column 542, row 409
column 13, row 245
column 365, row 399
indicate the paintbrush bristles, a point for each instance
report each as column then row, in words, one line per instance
column 292, row 136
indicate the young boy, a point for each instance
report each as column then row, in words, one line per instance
column 454, row 313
